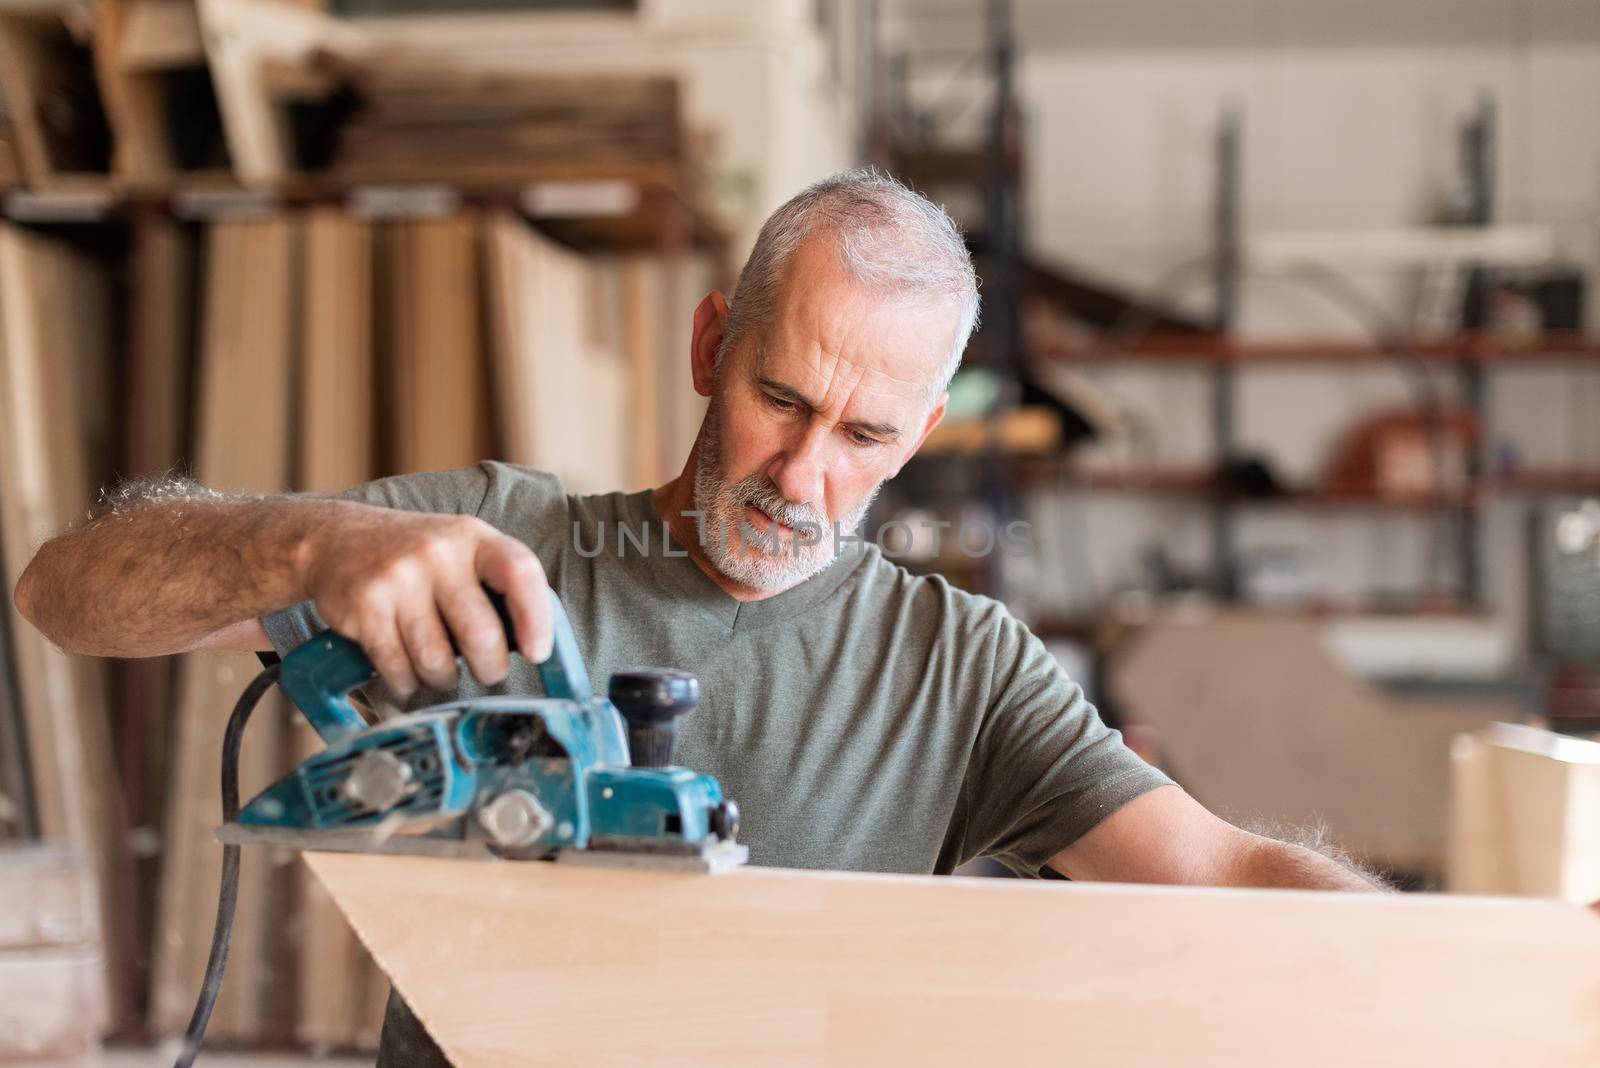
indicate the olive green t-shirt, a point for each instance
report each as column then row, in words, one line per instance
column 867, row 719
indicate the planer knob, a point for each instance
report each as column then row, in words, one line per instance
column 651, row 701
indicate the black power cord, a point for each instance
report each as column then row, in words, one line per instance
column 228, row 894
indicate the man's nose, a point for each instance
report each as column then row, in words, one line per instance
column 798, row 470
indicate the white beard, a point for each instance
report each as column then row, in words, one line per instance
column 761, row 560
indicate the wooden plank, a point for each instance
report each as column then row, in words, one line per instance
column 1525, row 814
column 544, row 354
column 242, row 443
column 161, row 328
column 438, row 412
column 510, row 274
column 53, row 316
column 154, row 426
column 337, row 450
column 643, row 346
column 529, row 963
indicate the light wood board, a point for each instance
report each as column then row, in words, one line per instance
column 1257, row 721
column 337, row 450
column 532, row 964
column 438, row 415
column 1525, row 815
column 242, row 443
column 53, row 318
column 563, row 399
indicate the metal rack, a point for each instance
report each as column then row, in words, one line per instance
column 907, row 140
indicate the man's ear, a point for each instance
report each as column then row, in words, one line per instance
column 935, row 417
column 710, row 322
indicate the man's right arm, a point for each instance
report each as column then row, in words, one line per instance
column 174, row 567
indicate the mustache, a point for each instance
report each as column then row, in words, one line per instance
column 758, row 490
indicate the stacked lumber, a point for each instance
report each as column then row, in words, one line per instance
column 663, row 305
column 407, row 120
column 242, row 443
column 615, row 330
column 341, row 993
column 323, row 349
column 54, row 319
column 439, row 411
column 157, row 366
column 544, row 309
column 50, row 983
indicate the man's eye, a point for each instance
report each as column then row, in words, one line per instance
column 780, row 404
column 863, row 441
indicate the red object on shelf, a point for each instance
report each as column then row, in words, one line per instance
column 1405, row 455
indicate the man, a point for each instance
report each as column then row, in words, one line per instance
column 862, row 717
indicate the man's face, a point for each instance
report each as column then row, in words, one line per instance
column 809, row 415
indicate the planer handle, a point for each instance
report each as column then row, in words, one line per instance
column 319, row 675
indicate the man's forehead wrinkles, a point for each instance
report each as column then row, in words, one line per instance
column 858, row 372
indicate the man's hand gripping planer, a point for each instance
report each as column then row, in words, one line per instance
column 568, row 776
column 521, row 777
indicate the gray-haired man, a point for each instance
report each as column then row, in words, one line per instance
column 864, row 718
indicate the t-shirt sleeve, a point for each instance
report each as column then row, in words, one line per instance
column 1045, row 768
column 460, row 491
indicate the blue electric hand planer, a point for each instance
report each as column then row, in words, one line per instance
column 519, row 777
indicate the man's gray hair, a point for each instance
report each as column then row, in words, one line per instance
column 889, row 237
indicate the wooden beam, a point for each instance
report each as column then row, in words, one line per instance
column 160, row 35
column 241, row 38
column 532, row 964
column 136, row 106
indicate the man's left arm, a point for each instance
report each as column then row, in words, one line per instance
column 1166, row 836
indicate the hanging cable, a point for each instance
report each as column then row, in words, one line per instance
column 228, row 893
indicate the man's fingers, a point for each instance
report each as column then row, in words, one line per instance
column 511, row 568
column 380, row 637
column 428, row 646
column 478, row 631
